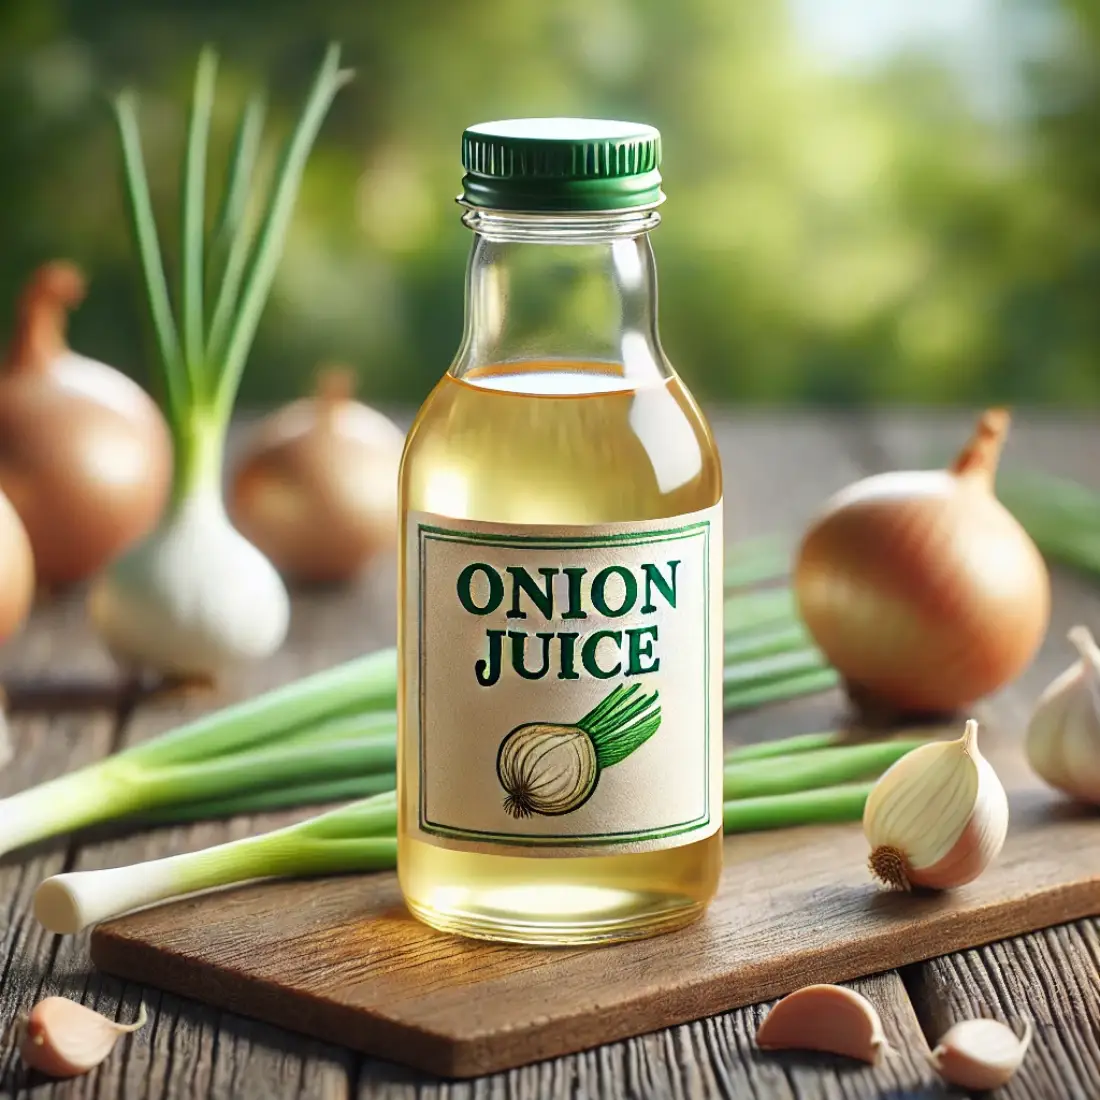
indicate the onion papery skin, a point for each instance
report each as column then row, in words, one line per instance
column 194, row 600
column 85, row 453
column 16, row 571
column 922, row 590
column 316, row 490
column 547, row 769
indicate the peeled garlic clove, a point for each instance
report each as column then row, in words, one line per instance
column 1063, row 736
column 827, row 1018
column 980, row 1054
column 64, row 1039
column 938, row 817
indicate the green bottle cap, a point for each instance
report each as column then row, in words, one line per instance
column 549, row 165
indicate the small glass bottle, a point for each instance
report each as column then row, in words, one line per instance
column 560, row 755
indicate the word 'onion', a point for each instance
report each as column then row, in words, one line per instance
column 16, row 572
column 85, row 455
column 920, row 587
column 316, row 489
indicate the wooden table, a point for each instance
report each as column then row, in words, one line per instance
column 777, row 469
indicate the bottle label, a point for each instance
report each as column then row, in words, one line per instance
column 564, row 684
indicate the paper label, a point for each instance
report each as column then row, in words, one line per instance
column 564, row 684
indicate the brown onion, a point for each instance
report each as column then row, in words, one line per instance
column 316, row 489
column 920, row 587
column 85, row 454
column 16, row 571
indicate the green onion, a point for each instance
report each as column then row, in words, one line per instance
column 791, row 687
column 764, row 642
column 808, row 770
column 767, row 670
column 232, row 751
column 756, row 562
column 356, row 838
column 776, row 767
column 195, row 598
column 1061, row 516
column 781, row 811
column 785, row 746
column 332, row 736
column 321, row 793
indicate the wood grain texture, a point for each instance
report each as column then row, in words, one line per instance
column 191, row 1050
column 341, row 958
column 1050, row 977
column 45, row 745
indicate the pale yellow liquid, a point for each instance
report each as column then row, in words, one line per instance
column 557, row 443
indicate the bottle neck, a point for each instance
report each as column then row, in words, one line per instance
column 567, row 287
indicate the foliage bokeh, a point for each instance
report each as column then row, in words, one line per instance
column 831, row 237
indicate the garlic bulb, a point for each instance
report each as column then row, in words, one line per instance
column 64, row 1039
column 1063, row 736
column 980, row 1054
column 827, row 1018
column 193, row 599
column 938, row 817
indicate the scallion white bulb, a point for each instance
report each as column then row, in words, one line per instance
column 193, row 599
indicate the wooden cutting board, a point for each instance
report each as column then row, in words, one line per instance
column 341, row 960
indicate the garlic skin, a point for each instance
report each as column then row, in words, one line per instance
column 194, row 599
column 938, row 817
column 826, row 1018
column 64, row 1039
column 1063, row 735
column 980, row 1054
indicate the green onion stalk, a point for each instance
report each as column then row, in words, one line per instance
column 1061, row 516
column 196, row 597
column 362, row 837
column 331, row 737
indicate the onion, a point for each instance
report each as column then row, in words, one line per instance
column 550, row 769
column 85, row 455
column 920, row 587
column 547, row 769
column 316, row 490
column 16, row 573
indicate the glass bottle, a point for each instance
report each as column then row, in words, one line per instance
column 560, row 757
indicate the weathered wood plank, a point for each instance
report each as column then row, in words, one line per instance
column 777, row 471
column 190, row 1049
column 1049, row 977
column 44, row 746
column 714, row 1057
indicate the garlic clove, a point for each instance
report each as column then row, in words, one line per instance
column 826, row 1018
column 1063, row 736
column 936, row 818
column 980, row 1054
column 63, row 1039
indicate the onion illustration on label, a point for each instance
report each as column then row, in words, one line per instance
column 552, row 769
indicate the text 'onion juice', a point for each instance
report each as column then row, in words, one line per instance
column 560, row 756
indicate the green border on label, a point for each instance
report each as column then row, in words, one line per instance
column 429, row 532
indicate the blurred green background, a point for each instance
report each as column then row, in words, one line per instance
column 869, row 200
